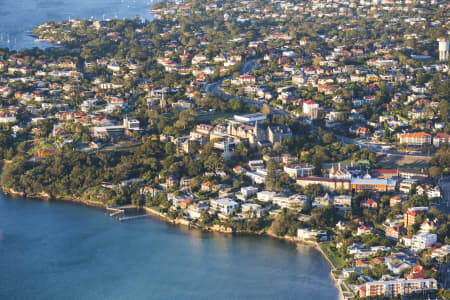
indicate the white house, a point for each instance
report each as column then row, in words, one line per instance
column 307, row 234
column 265, row 196
column 224, row 206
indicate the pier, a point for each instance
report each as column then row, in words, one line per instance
column 133, row 217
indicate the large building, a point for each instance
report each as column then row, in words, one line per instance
column 423, row 240
column 415, row 138
column 399, row 287
column 443, row 49
column 409, row 217
column 298, row 170
column 311, row 109
column 329, row 183
column 250, row 118
column 277, row 134
column 373, row 185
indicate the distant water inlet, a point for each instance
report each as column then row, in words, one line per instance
column 58, row 250
column 19, row 17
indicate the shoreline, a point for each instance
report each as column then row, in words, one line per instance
column 216, row 228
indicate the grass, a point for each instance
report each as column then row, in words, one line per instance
column 337, row 260
column 204, row 117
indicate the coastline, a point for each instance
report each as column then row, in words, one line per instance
column 216, row 228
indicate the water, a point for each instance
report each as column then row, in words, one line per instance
column 56, row 250
column 17, row 17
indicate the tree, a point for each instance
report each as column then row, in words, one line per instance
column 271, row 177
column 266, row 109
column 435, row 172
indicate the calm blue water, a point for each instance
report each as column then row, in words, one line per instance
column 19, row 16
column 65, row 251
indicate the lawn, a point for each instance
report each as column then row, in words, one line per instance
column 209, row 117
column 337, row 260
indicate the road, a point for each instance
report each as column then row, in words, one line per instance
column 444, row 205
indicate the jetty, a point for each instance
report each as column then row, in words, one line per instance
column 119, row 209
column 134, row 217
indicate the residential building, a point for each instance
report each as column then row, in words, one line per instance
column 422, row 240
column 294, row 202
column 409, row 217
column 394, row 232
column 251, row 210
column 321, row 201
column 342, row 201
column 248, row 191
column 265, row 196
column 224, row 206
column 415, row 138
column 307, row 234
column 443, row 49
column 398, row 287
column 311, row 109
column 441, row 138
column 395, row 200
column 369, row 204
column 406, row 185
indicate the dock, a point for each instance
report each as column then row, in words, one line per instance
column 134, row 217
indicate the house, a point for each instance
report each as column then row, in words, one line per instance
column 395, row 200
column 369, row 204
column 265, row 196
column 395, row 232
column 441, row 252
column 428, row 226
column 258, row 176
column 396, row 265
column 251, row 210
column 206, row 186
column 307, row 234
column 249, row 191
column 224, row 206
column 415, row 138
column 321, row 201
column 194, row 210
column 239, row 170
column 150, row 191
column 363, row 230
column 417, row 272
column 342, row 201
column 294, row 202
